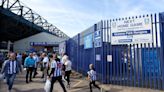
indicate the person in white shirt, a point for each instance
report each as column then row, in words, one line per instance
column 36, row 58
column 63, row 58
column 68, row 68
column 92, row 77
column 45, row 65
column 19, row 58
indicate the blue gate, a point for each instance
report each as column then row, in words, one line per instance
column 138, row 64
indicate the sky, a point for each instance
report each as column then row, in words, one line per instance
column 74, row 16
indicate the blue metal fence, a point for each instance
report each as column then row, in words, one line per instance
column 137, row 65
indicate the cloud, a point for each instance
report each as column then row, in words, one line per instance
column 74, row 16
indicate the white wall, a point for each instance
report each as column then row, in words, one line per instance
column 24, row 44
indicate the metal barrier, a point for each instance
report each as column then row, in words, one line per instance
column 118, row 61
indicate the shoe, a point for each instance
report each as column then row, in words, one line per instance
column 63, row 80
column 68, row 86
column 26, row 81
column 42, row 77
column 31, row 80
column 36, row 74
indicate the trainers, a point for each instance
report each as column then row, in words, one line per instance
column 68, row 86
column 26, row 81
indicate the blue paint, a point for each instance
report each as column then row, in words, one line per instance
column 143, row 68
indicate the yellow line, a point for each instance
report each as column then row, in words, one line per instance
column 77, row 83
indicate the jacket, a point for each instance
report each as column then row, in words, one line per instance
column 6, row 67
column 29, row 62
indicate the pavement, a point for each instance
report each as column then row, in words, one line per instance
column 78, row 84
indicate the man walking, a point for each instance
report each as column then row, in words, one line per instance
column 10, row 69
column 45, row 66
column 56, row 72
column 36, row 58
column 29, row 64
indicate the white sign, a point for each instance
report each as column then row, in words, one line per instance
column 131, row 31
column 98, row 57
column 109, row 58
column 62, row 47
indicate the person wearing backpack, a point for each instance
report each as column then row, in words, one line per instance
column 10, row 69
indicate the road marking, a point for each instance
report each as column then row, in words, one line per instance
column 77, row 83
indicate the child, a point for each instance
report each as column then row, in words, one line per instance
column 92, row 77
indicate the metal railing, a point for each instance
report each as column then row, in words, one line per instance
column 17, row 7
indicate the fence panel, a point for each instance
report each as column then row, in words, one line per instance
column 137, row 64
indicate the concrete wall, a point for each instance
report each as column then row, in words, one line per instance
column 24, row 44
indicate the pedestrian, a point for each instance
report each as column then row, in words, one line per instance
column 56, row 72
column 24, row 55
column 10, row 69
column 40, row 62
column 92, row 77
column 36, row 58
column 63, row 58
column 68, row 68
column 45, row 66
column 19, row 58
column 29, row 64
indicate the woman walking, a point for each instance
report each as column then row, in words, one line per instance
column 68, row 65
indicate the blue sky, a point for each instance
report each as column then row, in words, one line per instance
column 74, row 16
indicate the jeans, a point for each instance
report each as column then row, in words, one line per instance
column 35, row 72
column 29, row 70
column 10, row 80
column 45, row 72
column 67, row 76
column 94, row 84
column 54, row 79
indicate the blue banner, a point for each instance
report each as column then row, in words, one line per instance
column 88, row 41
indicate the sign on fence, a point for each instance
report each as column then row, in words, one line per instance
column 97, row 39
column 109, row 58
column 62, row 47
column 88, row 41
column 98, row 57
column 131, row 31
